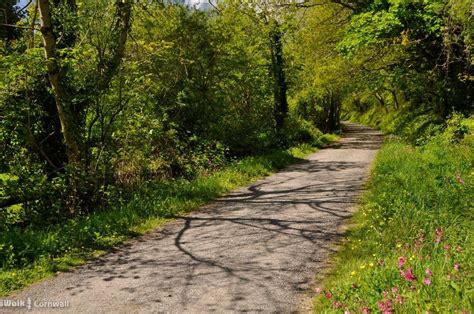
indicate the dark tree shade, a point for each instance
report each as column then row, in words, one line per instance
column 9, row 15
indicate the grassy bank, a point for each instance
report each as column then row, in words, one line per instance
column 33, row 254
column 411, row 250
column 414, row 125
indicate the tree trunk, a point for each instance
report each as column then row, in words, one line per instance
column 280, row 87
column 31, row 41
column 107, row 68
column 381, row 101
column 67, row 127
column 395, row 99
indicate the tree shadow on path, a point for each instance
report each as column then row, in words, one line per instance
column 256, row 249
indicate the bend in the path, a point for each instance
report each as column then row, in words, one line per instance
column 256, row 249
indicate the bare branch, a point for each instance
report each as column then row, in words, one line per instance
column 26, row 6
column 18, row 26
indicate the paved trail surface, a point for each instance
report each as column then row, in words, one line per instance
column 257, row 249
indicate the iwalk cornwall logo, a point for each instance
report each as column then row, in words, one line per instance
column 30, row 304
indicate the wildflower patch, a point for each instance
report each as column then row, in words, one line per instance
column 411, row 249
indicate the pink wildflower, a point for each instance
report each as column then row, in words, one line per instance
column 399, row 299
column 457, row 266
column 427, row 281
column 439, row 235
column 328, row 295
column 447, row 247
column 395, row 290
column 408, row 275
column 421, row 238
column 365, row 310
column 428, row 272
column 317, row 290
column 347, row 312
column 401, row 261
column 385, row 307
column 336, row 304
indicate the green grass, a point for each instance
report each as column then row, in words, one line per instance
column 412, row 124
column 417, row 210
column 34, row 254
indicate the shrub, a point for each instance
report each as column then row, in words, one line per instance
column 298, row 130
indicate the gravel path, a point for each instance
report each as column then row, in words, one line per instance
column 256, row 250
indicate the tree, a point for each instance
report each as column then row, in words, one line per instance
column 271, row 17
column 425, row 41
column 69, row 130
column 71, row 127
column 279, row 77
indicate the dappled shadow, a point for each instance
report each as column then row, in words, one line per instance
column 256, row 249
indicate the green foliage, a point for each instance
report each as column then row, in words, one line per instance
column 298, row 130
column 411, row 54
column 322, row 111
column 416, row 217
column 368, row 29
column 414, row 126
column 192, row 90
column 457, row 128
column 320, row 76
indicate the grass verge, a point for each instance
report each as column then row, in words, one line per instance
column 41, row 253
column 411, row 249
